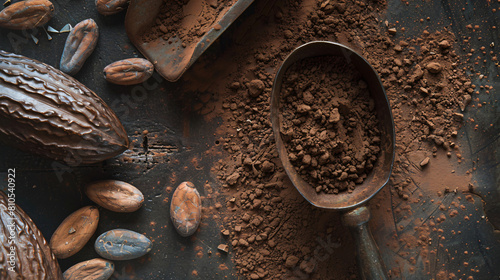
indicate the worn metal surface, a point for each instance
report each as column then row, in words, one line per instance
column 370, row 262
column 49, row 191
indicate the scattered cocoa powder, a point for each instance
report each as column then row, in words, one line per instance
column 329, row 123
column 187, row 20
column 274, row 233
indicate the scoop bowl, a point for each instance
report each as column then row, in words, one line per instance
column 355, row 214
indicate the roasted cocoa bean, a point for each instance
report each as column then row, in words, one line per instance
column 115, row 195
column 26, row 14
column 94, row 269
column 79, row 46
column 47, row 112
column 129, row 71
column 74, row 232
column 23, row 247
column 185, row 209
column 122, row 244
column 110, row 7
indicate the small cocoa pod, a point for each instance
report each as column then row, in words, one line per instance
column 110, row 7
column 122, row 244
column 74, row 232
column 23, row 247
column 185, row 209
column 46, row 112
column 26, row 14
column 115, row 195
column 94, row 269
column 79, row 46
column 129, row 71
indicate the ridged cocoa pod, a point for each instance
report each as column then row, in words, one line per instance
column 94, row 269
column 122, row 244
column 74, row 232
column 110, row 7
column 26, row 14
column 185, row 209
column 79, row 46
column 33, row 258
column 130, row 71
column 47, row 112
column 115, row 195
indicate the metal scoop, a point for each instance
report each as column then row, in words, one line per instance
column 355, row 215
column 172, row 59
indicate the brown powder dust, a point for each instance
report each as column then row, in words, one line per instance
column 272, row 231
column 187, row 21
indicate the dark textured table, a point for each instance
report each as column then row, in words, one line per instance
column 480, row 237
column 171, row 139
column 168, row 140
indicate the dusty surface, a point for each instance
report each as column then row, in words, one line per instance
column 273, row 231
column 187, row 20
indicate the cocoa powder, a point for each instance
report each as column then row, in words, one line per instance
column 187, row 20
column 273, row 232
column 329, row 123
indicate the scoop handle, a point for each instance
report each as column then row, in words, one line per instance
column 370, row 262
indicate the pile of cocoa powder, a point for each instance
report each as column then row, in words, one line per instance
column 187, row 20
column 272, row 231
column 329, row 124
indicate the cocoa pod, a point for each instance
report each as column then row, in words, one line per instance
column 110, row 7
column 26, row 14
column 32, row 258
column 130, row 71
column 94, row 269
column 185, row 209
column 79, row 46
column 74, row 232
column 122, row 244
column 115, row 195
column 47, row 112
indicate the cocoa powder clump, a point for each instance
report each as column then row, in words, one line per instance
column 329, row 125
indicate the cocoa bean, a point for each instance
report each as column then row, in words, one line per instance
column 79, row 46
column 74, row 232
column 129, row 71
column 26, row 14
column 115, row 195
column 94, row 269
column 185, row 209
column 122, row 244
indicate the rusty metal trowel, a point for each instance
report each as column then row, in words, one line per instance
column 355, row 214
column 172, row 59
